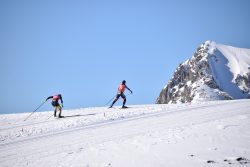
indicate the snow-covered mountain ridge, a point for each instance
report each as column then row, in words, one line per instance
column 215, row 72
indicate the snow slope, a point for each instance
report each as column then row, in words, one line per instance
column 214, row 133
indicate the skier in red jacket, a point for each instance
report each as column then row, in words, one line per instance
column 55, row 104
column 120, row 93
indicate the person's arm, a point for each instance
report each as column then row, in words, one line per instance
column 129, row 89
column 50, row 97
column 61, row 100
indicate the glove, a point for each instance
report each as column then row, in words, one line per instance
column 62, row 105
column 131, row 92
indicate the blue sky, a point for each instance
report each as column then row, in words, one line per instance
column 83, row 49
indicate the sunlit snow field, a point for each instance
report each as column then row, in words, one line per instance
column 214, row 133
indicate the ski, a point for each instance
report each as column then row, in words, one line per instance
column 125, row 107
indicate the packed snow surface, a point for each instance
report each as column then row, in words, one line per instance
column 214, row 133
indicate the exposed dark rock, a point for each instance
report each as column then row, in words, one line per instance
column 210, row 162
column 191, row 76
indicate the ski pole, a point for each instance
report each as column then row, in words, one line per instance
column 35, row 110
column 128, row 94
column 50, row 116
column 110, row 100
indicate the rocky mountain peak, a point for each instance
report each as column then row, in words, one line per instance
column 195, row 79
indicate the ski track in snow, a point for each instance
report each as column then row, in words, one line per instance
column 97, row 119
column 203, row 134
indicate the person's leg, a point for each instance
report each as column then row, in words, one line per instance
column 117, row 97
column 55, row 106
column 124, row 100
column 60, row 109
column 55, row 111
